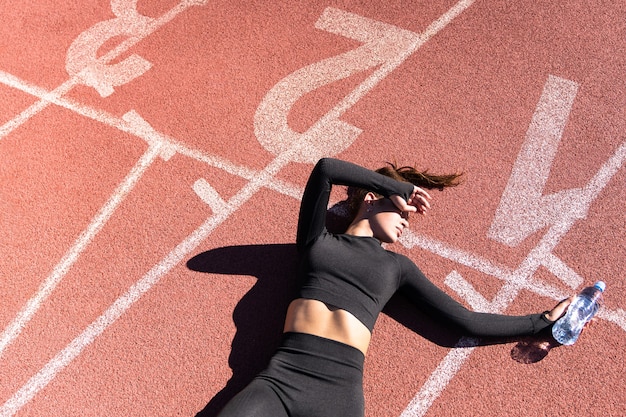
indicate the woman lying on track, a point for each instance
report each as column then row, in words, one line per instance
column 346, row 281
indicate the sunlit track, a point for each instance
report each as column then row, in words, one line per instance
column 133, row 123
column 522, row 277
column 123, row 303
column 530, row 204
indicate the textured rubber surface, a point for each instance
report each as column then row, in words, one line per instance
column 152, row 157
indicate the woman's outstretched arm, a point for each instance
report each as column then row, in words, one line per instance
column 427, row 296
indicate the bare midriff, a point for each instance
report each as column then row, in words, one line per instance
column 320, row 319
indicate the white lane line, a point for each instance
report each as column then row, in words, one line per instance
column 46, row 374
column 438, row 380
column 558, row 268
column 114, row 121
column 617, row 316
column 461, row 286
column 157, row 142
column 604, row 175
column 72, row 82
column 210, row 196
column 411, row 239
column 60, row 270
column 42, row 378
column 521, row 278
column 35, row 108
column 46, row 98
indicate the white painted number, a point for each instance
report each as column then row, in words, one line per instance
column 523, row 208
column 382, row 43
column 82, row 58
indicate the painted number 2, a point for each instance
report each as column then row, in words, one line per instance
column 382, row 44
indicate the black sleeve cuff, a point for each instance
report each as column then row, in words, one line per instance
column 540, row 322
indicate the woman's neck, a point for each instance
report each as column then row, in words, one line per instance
column 360, row 228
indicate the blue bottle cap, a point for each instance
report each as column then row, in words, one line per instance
column 600, row 285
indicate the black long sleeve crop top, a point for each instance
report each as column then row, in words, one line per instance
column 358, row 275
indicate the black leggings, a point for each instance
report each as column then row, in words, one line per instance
column 309, row 376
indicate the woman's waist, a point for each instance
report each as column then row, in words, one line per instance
column 320, row 319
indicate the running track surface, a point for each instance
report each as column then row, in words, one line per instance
column 153, row 155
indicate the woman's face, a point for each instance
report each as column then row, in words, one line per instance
column 387, row 221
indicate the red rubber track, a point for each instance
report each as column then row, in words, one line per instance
column 152, row 158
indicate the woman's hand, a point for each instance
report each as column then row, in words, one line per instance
column 559, row 310
column 418, row 201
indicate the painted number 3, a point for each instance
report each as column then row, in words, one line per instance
column 82, row 59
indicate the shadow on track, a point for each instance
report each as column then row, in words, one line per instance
column 259, row 315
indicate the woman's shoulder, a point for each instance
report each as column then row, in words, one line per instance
column 402, row 260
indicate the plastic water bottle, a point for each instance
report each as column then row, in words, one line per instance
column 584, row 306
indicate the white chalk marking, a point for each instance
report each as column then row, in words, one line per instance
column 411, row 239
column 457, row 5
column 617, row 316
column 123, row 303
column 521, row 278
column 95, row 329
column 543, row 252
column 170, row 145
column 457, row 283
column 31, row 111
column 60, row 270
column 143, row 129
column 515, row 281
column 82, row 63
column 604, row 175
column 560, row 269
column 68, row 85
column 438, row 380
column 523, row 208
column 210, row 196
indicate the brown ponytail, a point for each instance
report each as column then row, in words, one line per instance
column 422, row 179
